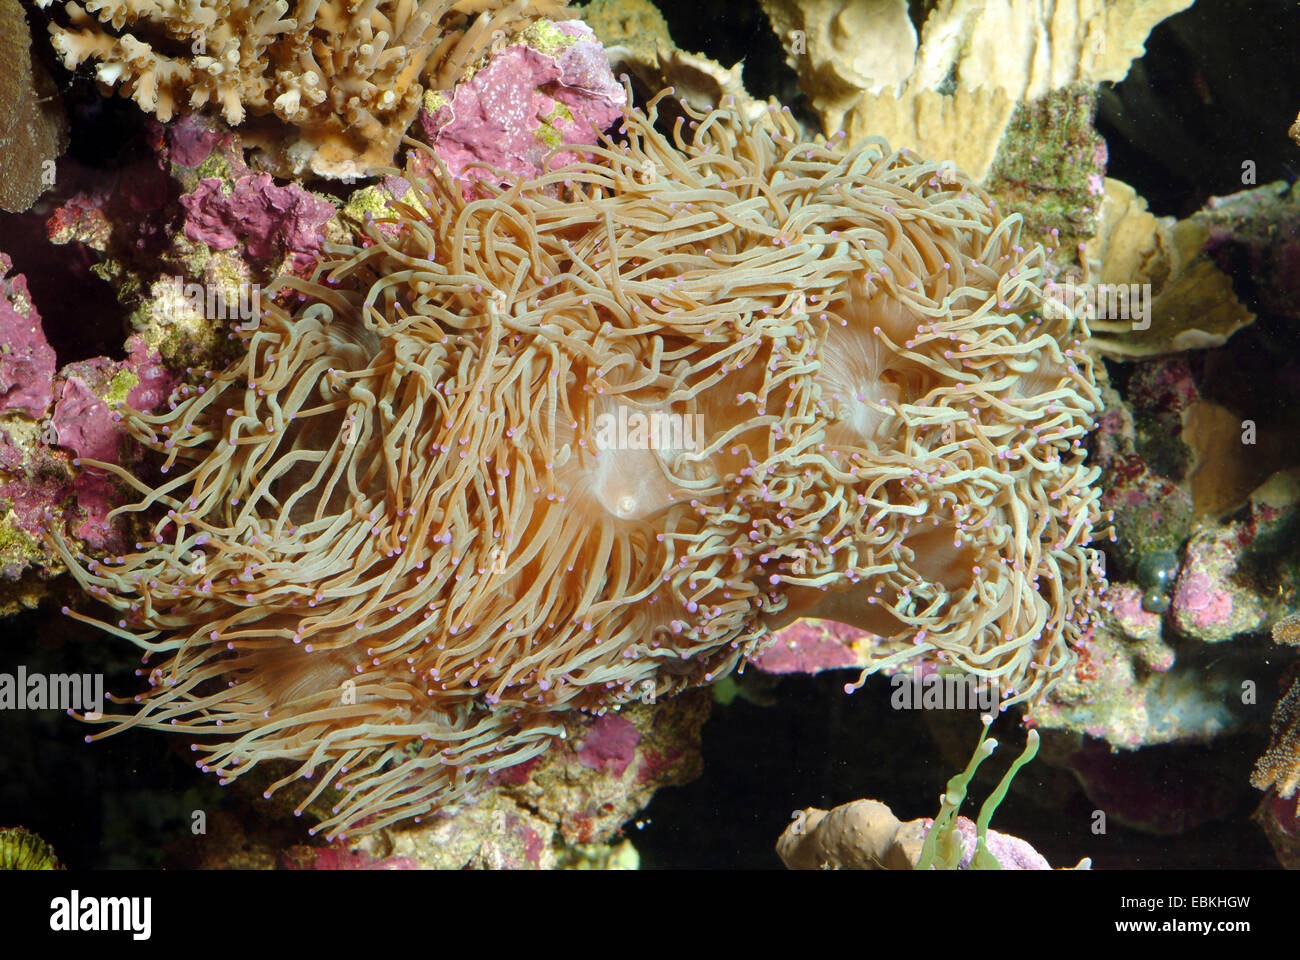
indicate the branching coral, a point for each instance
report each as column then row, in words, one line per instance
column 425, row 514
column 346, row 74
column 1279, row 768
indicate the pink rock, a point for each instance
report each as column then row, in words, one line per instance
column 1012, row 853
column 27, row 359
column 192, row 138
column 810, row 646
column 609, row 745
column 156, row 381
column 11, row 456
column 269, row 219
column 95, row 496
column 83, row 422
column 525, row 102
column 1126, row 605
column 1209, row 603
column 1204, row 602
column 32, row 498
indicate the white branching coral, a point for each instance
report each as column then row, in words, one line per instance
column 347, row 74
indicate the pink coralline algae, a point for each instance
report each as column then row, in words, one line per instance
column 1208, row 603
column 1011, row 853
column 83, row 420
column 227, row 203
column 84, row 423
column 811, row 646
column 525, row 102
column 607, row 769
column 192, row 138
column 80, row 420
column 154, row 381
column 1144, row 463
column 1202, row 602
column 30, row 498
column 269, row 219
column 27, row 360
column 1134, row 620
column 609, row 745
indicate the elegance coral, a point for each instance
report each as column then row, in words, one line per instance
column 589, row 438
column 346, row 75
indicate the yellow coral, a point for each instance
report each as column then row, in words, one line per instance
column 949, row 88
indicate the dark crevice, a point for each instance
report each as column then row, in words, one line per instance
column 1218, row 88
